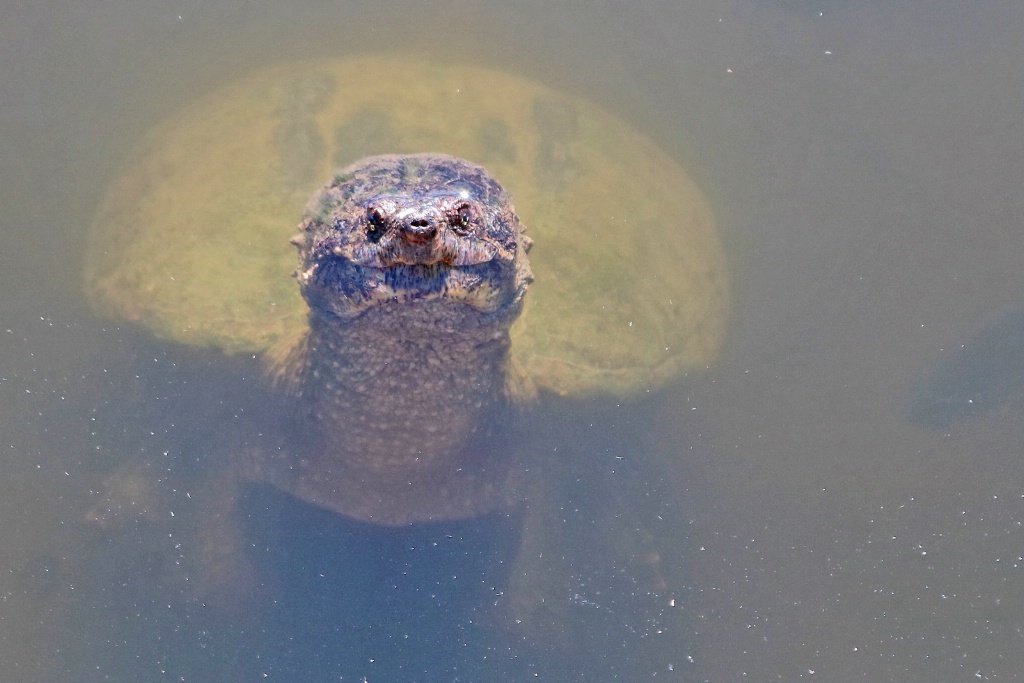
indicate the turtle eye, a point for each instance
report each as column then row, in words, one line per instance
column 462, row 217
column 374, row 221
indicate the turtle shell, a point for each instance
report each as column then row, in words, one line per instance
column 191, row 240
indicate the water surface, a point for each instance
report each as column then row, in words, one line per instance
column 865, row 159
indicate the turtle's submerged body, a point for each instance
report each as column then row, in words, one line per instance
column 414, row 269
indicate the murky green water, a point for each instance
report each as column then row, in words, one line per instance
column 865, row 159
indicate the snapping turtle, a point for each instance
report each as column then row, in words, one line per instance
column 414, row 332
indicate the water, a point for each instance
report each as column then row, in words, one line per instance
column 865, row 159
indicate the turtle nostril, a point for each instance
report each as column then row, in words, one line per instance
column 419, row 230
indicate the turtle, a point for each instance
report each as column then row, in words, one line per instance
column 488, row 245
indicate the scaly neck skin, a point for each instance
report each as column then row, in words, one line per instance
column 396, row 390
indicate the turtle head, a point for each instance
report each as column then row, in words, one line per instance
column 392, row 230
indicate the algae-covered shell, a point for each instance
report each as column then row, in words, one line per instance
column 631, row 288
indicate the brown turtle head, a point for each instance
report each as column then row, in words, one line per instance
column 393, row 230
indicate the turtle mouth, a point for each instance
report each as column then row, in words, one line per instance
column 480, row 286
column 348, row 289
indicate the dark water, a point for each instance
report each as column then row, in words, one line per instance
column 985, row 374
column 829, row 509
